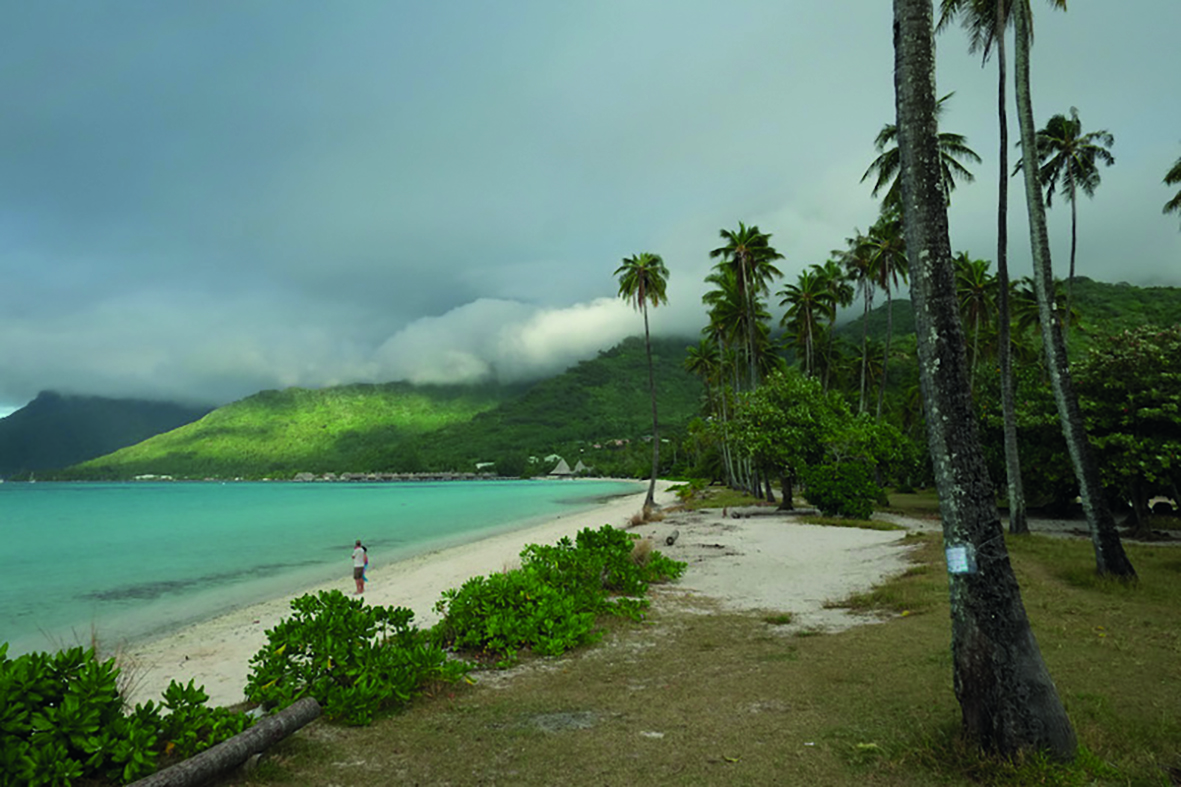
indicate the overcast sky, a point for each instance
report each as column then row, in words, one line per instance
column 199, row 200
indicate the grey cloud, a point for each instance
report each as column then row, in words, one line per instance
column 204, row 199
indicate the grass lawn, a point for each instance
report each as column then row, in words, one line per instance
column 695, row 695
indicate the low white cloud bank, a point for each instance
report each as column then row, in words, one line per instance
column 195, row 351
column 502, row 340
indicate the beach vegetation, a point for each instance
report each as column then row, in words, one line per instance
column 354, row 659
column 552, row 603
column 63, row 719
column 792, row 703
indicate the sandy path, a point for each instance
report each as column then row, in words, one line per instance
column 761, row 560
column 767, row 560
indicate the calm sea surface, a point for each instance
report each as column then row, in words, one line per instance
column 138, row 559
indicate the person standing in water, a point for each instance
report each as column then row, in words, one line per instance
column 360, row 558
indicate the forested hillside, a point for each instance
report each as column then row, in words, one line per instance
column 597, row 401
column 56, row 430
column 399, row 427
column 279, row 433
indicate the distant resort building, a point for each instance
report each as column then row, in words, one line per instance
column 562, row 470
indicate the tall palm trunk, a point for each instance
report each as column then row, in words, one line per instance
column 1008, row 701
column 1109, row 551
column 745, row 273
column 1073, row 248
column 864, row 347
column 650, row 500
column 1017, row 519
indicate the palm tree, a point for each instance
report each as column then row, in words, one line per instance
column 841, row 294
column 952, row 148
column 1172, row 178
column 704, row 360
column 986, row 21
column 749, row 254
column 1007, row 698
column 887, row 251
column 1065, row 154
column 1109, row 551
column 642, row 280
column 975, row 292
column 808, row 301
column 858, row 261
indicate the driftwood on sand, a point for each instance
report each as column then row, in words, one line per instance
column 227, row 755
column 672, row 537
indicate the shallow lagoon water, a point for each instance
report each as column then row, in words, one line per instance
column 138, row 559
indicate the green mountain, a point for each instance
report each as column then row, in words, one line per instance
column 399, row 427
column 56, row 430
column 602, row 400
column 280, row 433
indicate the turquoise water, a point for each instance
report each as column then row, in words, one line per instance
column 133, row 560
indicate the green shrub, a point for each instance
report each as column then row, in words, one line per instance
column 354, row 659
column 550, row 604
column 62, row 719
column 841, row 490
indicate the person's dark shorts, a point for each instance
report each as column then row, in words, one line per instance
column 358, row 572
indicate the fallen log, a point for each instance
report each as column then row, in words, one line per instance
column 672, row 537
column 229, row 754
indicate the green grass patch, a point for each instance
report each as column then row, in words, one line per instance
column 781, row 619
column 861, row 524
column 922, row 504
column 719, row 698
column 720, row 497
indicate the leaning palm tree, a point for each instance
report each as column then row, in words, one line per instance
column 952, row 148
column 1110, row 557
column 1069, row 157
column 750, row 255
column 1008, row 701
column 643, row 280
column 986, row 22
column 1172, row 178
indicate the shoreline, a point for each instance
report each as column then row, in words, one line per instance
column 216, row 652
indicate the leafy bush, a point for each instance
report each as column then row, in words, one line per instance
column 842, row 490
column 550, row 604
column 62, row 719
column 354, row 659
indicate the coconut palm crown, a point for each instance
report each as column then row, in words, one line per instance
column 643, row 280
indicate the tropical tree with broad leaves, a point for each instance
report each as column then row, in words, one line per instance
column 643, row 280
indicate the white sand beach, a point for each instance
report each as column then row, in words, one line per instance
column 755, row 560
